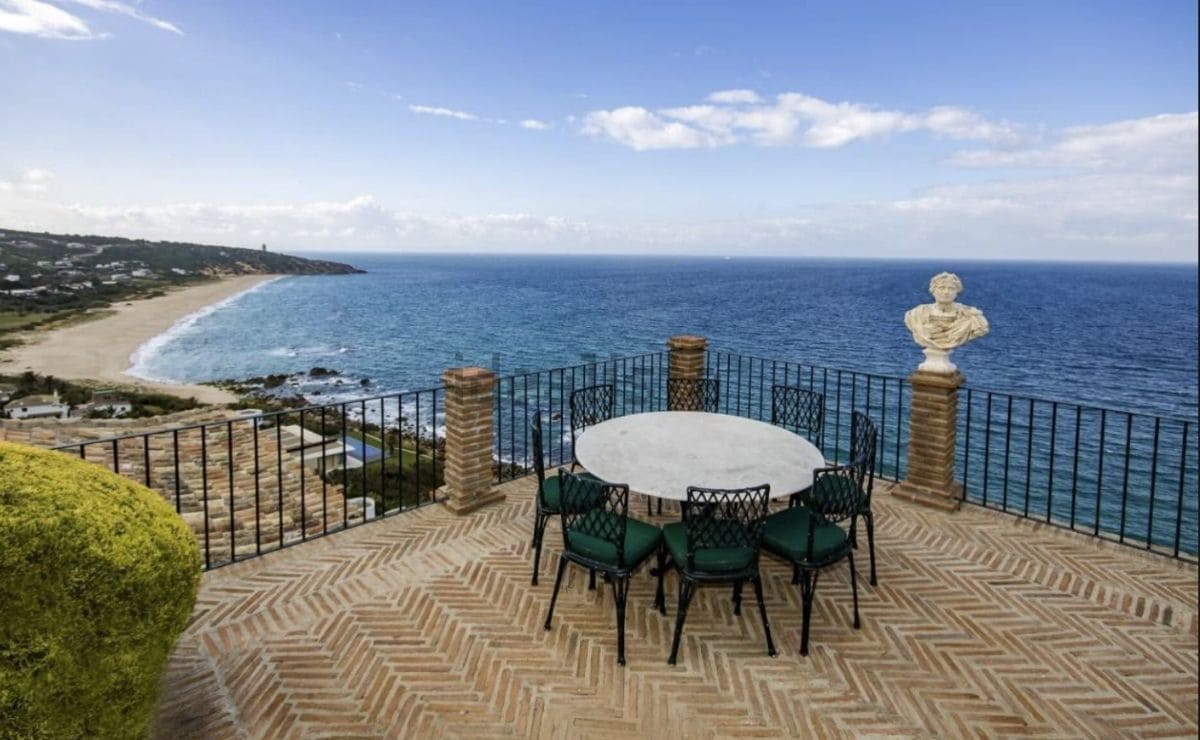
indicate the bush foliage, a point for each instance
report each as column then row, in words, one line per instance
column 97, row 578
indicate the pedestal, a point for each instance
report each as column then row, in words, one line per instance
column 934, row 418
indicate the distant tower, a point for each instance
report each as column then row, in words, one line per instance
column 264, row 247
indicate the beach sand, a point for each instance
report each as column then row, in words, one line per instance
column 99, row 350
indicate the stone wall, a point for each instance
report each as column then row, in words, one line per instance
column 210, row 474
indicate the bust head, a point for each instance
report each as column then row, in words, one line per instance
column 945, row 287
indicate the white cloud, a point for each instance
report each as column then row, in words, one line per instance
column 28, row 181
column 534, row 124
column 1162, row 142
column 640, row 129
column 429, row 110
column 38, row 18
column 112, row 6
column 733, row 96
column 735, row 116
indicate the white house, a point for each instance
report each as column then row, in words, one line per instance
column 113, row 403
column 6, row 392
column 37, row 406
column 13, row 277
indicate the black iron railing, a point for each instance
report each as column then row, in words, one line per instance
column 746, row 387
column 640, row 383
column 260, row 483
column 249, row 486
column 1111, row 473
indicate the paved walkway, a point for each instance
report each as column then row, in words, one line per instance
column 426, row 626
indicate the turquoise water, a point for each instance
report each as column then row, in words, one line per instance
column 1115, row 335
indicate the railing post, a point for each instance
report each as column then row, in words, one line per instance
column 687, row 355
column 468, row 462
column 931, row 444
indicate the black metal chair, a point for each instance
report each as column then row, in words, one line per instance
column 548, row 497
column 718, row 542
column 599, row 535
column 810, row 538
column 801, row 411
column 863, row 444
column 693, row 394
column 589, row 406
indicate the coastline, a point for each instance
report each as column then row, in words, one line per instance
column 102, row 350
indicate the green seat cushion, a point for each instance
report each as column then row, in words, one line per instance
column 641, row 539
column 552, row 495
column 707, row 559
column 786, row 535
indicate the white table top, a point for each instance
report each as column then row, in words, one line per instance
column 663, row 452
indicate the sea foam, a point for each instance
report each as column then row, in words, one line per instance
column 142, row 357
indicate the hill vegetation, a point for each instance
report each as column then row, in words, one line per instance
column 45, row 278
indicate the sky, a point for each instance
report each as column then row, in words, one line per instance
column 993, row 130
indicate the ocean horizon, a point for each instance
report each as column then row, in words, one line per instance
column 1109, row 334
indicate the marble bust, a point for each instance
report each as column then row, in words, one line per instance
column 943, row 325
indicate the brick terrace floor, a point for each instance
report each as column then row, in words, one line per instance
column 426, row 626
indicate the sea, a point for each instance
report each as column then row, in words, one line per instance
column 1113, row 335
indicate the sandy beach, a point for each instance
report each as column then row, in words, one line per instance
column 100, row 350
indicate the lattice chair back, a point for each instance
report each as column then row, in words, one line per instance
column 595, row 517
column 592, row 405
column 835, row 492
column 799, row 410
column 724, row 526
column 693, row 394
column 864, row 438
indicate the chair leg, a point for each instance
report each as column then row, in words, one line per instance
column 620, row 592
column 686, row 589
column 591, row 580
column 562, row 566
column 795, row 574
column 737, row 597
column 762, row 610
column 539, row 530
column 871, row 545
column 854, row 590
column 808, row 589
column 660, row 507
column 660, row 599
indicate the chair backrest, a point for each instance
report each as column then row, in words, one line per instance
column 835, row 492
column 595, row 515
column 799, row 410
column 591, row 405
column 864, row 439
column 725, row 524
column 539, row 460
column 693, row 394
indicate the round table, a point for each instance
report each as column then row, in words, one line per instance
column 661, row 453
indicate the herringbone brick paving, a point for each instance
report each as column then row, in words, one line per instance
column 426, row 626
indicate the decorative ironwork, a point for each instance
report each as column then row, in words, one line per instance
column 863, row 440
column 694, row 394
column 590, row 406
column 595, row 517
column 725, row 522
column 543, row 508
column 799, row 410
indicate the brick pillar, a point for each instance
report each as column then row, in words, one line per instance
column 468, row 460
column 687, row 355
column 934, row 418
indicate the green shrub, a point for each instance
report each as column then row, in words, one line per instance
column 97, row 578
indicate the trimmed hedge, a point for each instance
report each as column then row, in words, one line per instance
column 98, row 576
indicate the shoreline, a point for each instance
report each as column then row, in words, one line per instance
column 102, row 350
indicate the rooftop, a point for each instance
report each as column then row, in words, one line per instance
column 425, row 624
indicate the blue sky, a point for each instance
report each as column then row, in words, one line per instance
column 1013, row 130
